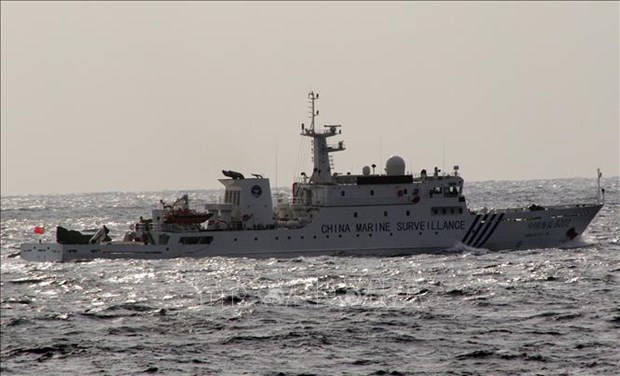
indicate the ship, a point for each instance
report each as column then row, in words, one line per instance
column 389, row 213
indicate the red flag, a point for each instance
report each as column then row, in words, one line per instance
column 39, row 230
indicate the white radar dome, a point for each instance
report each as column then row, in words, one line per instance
column 366, row 170
column 395, row 165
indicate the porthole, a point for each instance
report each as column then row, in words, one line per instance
column 385, row 213
column 408, row 213
column 255, row 239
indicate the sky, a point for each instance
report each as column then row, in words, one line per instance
column 147, row 96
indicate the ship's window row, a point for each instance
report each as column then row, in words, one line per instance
column 522, row 219
column 538, row 218
column 326, row 236
column 370, row 234
column 196, row 239
column 399, row 193
column 447, row 210
column 407, row 213
column 449, row 191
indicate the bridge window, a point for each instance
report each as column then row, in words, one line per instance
column 232, row 197
column 451, row 191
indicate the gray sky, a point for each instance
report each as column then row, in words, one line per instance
column 116, row 96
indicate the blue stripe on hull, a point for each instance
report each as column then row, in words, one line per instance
column 483, row 239
column 473, row 224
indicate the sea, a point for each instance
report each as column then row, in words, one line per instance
column 463, row 311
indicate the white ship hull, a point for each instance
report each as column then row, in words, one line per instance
column 399, row 235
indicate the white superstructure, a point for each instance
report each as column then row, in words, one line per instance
column 390, row 213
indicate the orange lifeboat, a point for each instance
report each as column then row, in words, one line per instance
column 186, row 217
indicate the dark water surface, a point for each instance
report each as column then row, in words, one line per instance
column 469, row 312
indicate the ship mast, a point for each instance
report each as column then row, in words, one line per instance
column 312, row 97
column 321, row 173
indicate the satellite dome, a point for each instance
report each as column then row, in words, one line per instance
column 395, row 165
column 366, row 170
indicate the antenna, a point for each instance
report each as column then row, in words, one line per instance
column 443, row 166
column 600, row 193
column 380, row 153
column 276, row 165
column 313, row 96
